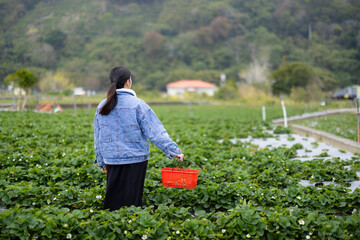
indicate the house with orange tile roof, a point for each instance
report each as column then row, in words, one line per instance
column 184, row 87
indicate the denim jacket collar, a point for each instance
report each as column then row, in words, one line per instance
column 126, row 90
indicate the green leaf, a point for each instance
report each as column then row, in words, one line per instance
column 284, row 221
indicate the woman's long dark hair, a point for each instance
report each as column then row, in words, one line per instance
column 118, row 77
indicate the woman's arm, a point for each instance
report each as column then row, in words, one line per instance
column 154, row 130
column 99, row 158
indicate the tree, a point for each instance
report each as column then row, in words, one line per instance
column 211, row 76
column 44, row 55
column 220, row 27
column 153, row 42
column 56, row 38
column 326, row 80
column 155, row 80
column 291, row 75
column 227, row 91
column 55, row 83
column 203, row 36
column 25, row 80
column 8, row 17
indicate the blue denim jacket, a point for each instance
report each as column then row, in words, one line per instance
column 121, row 137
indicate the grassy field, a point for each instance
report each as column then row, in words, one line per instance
column 340, row 125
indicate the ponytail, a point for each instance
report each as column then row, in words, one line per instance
column 118, row 77
column 111, row 100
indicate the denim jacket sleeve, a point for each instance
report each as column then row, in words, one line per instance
column 99, row 159
column 154, row 130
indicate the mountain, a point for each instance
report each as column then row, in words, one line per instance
column 167, row 40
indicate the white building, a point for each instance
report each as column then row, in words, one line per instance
column 79, row 91
column 183, row 87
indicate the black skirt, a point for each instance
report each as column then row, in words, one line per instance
column 124, row 185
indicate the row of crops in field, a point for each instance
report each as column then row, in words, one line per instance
column 341, row 125
column 52, row 190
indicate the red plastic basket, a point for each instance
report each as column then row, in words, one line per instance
column 179, row 177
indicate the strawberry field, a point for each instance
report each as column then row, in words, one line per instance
column 52, row 190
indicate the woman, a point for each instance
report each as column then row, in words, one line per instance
column 123, row 124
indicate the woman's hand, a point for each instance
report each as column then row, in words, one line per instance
column 180, row 157
column 103, row 170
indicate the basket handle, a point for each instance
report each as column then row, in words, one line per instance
column 180, row 164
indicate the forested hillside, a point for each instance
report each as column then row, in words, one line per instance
column 76, row 42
